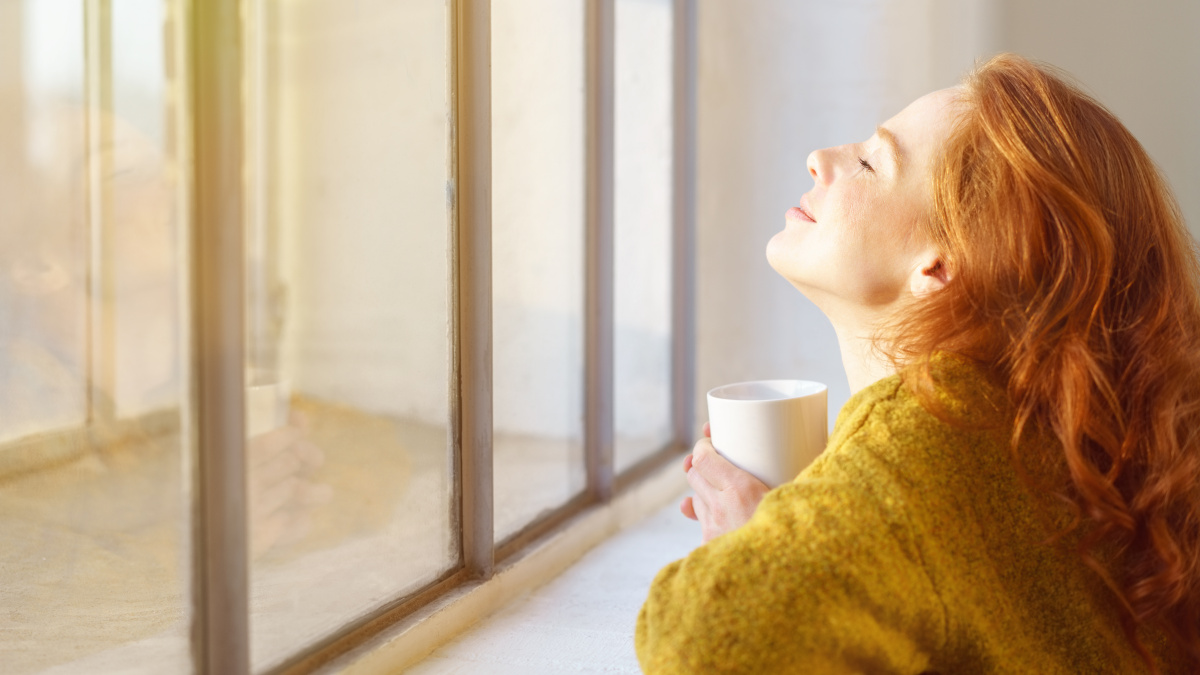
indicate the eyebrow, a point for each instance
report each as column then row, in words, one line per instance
column 890, row 139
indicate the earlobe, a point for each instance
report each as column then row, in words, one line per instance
column 929, row 277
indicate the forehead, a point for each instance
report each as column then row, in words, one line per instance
column 922, row 126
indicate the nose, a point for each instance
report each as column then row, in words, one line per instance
column 819, row 167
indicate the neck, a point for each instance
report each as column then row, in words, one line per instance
column 864, row 366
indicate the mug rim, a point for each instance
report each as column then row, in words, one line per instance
column 715, row 392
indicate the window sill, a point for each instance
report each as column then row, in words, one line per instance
column 445, row 619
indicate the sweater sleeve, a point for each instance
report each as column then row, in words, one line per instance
column 825, row 578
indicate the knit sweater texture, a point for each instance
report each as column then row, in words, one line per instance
column 910, row 546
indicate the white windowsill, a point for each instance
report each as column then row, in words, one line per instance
column 581, row 619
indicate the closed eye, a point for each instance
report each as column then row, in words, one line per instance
column 866, row 165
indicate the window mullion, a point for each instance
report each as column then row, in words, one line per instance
column 598, row 323
column 221, row 620
column 472, row 154
column 683, row 327
column 98, row 124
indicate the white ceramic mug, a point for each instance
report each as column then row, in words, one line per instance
column 770, row 428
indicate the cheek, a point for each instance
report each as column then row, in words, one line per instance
column 853, row 238
column 860, row 217
column 872, row 250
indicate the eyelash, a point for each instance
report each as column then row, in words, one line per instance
column 866, row 165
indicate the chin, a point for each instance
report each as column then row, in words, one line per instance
column 783, row 258
column 776, row 252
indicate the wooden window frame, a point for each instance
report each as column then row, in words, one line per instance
column 207, row 50
column 221, row 642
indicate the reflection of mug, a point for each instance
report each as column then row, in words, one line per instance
column 770, row 428
column 266, row 408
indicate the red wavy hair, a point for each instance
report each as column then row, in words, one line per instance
column 1074, row 281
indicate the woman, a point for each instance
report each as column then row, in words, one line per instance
column 1012, row 486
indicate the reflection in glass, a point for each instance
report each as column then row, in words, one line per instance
column 537, row 257
column 642, row 230
column 93, row 465
column 348, row 315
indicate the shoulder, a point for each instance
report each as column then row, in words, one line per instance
column 887, row 432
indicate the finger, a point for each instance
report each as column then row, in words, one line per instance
column 704, row 517
column 309, row 453
column 687, row 463
column 283, row 465
column 686, row 508
column 266, row 447
column 718, row 471
column 703, row 489
column 707, row 430
column 272, row 499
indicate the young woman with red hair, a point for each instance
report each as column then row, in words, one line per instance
column 1013, row 486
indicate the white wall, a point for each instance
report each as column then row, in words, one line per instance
column 1140, row 59
column 361, row 158
column 780, row 78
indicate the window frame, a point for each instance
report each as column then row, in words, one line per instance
column 215, row 427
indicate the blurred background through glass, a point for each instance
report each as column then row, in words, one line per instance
column 94, row 452
column 348, row 315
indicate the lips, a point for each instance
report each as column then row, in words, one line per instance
column 805, row 209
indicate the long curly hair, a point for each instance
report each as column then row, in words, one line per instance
column 1074, row 282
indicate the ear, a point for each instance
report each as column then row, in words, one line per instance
column 929, row 275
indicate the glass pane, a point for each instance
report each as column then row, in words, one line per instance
column 348, row 362
column 45, row 354
column 642, row 230
column 537, row 257
column 94, row 468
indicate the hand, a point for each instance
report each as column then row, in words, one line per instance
column 283, row 495
column 725, row 496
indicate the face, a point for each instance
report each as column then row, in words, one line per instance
column 856, row 240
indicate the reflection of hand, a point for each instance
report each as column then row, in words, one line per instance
column 283, row 495
column 725, row 496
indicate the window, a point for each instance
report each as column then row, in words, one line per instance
column 643, row 228
column 348, row 453
column 316, row 311
column 95, row 444
column 538, row 91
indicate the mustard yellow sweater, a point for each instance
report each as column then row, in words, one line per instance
column 909, row 546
